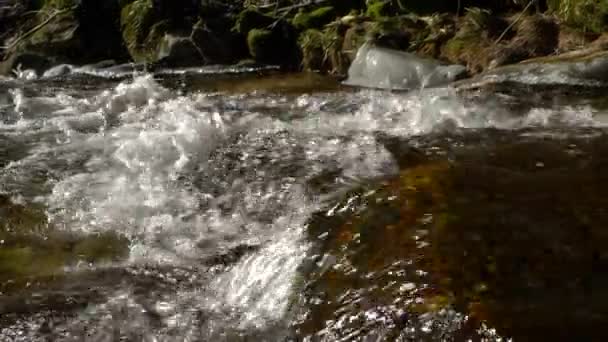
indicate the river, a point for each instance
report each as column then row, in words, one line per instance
column 242, row 204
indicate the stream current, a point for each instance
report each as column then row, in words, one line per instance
column 185, row 206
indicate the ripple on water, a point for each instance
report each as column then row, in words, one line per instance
column 224, row 185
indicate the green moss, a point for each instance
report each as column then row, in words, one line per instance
column 313, row 52
column 250, row 19
column 314, row 19
column 378, row 9
column 455, row 46
column 587, row 15
column 137, row 21
column 260, row 44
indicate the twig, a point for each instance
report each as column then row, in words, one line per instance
column 37, row 28
column 292, row 7
column 502, row 35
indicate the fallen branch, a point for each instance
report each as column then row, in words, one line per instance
column 37, row 27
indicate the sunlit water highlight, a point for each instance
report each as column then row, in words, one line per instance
column 190, row 176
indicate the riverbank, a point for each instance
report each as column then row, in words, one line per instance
column 319, row 36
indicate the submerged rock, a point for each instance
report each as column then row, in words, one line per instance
column 502, row 234
column 384, row 68
column 31, row 248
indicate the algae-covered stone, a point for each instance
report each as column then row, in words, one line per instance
column 429, row 242
column 314, row 19
column 277, row 45
column 30, row 247
column 261, row 45
column 141, row 29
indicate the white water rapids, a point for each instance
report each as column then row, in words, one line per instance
column 186, row 177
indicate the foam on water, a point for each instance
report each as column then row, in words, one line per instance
column 186, row 177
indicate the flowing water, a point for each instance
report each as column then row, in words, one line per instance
column 252, row 205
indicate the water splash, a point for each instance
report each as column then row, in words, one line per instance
column 187, row 177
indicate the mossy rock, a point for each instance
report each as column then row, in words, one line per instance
column 142, row 30
column 314, row 19
column 250, row 19
column 77, row 32
column 261, row 45
column 274, row 46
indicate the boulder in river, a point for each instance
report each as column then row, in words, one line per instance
column 384, row 68
column 153, row 35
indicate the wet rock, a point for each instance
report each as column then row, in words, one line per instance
column 179, row 51
column 277, row 45
column 250, row 19
column 141, row 30
column 156, row 36
column 391, row 69
column 30, row 247
column 581, row 68
column 59, row 70
column 217, row 43
column 23, row 61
